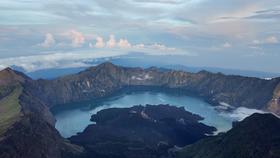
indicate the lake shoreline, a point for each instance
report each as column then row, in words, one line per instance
column 131, row 97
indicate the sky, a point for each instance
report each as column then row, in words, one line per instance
column 236, row 34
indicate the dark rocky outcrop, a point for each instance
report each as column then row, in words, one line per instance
column 140, row 131
column 32, row 137
column 26, row 124
column 255, row 137
column 107, row 78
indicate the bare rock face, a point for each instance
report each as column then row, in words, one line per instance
column 274, row 104
column 146, row 131
column 107, row 78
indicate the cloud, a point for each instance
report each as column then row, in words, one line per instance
column 123, row 43
column 267, row 40
column 112, row 42
column 241, row 113
column 57, row 60
column 78, row 38
column 169, row 23
column 271, row 40
column 227, row 45
column 139, row 46
column 161, row 47
column 256, row 42
column 2, row 67
column 99, row 42
column 75, row 58
column 49, row 41
column 161, row 1
column 268, row 14
column 90, row 45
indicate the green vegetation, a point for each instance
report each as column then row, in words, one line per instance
column 9, row 109
column 5, row 90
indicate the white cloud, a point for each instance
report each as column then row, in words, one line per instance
column 112, row 42
column 57, row 60
column 99, row 42
column 271, row 40
column 79, row 58
column 49, row 41
column 227, row 45
column 123, row 43
column 90, row 45
column 139, row 46
column 268, row 40
column 255, row 47
column 256, row 42
column 241, row 113
column 161, row 1
column 78, row 38
column 161, row 47
column 2, row 67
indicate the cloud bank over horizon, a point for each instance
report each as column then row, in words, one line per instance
column 240, row 34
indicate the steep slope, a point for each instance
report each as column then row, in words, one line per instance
column 274, row 104
column 11, row 77
column 255, row 137
column 107, row 78
column 10, row 91
column 31, row 136
column 26, row 124
column 9, row 109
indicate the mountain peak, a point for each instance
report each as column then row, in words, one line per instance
column 7, row 69
column 10, row 76
column 107, row 64
column 204, row 72
column 103, row 66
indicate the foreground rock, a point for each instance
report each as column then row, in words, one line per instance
column 32, row 137
column 140, row 131
column 257, row 136
column 26, row 124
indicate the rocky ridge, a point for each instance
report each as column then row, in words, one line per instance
column 106, row 79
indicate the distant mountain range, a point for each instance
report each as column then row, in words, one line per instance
column 25, row 103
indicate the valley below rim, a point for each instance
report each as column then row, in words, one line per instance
column 73, row 118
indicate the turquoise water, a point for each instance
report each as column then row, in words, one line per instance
column 75, row 117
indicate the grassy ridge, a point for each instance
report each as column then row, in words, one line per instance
column 5, row 90
column 9, row 109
